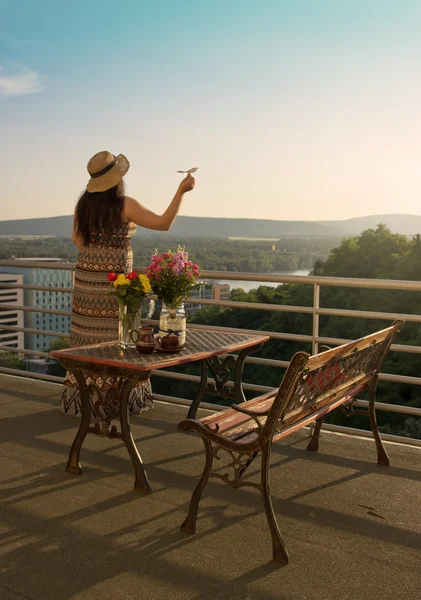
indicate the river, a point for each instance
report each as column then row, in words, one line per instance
column 250, row 285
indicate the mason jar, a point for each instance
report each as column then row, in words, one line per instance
column 172, row 321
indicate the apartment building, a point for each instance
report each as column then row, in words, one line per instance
column 8, row 316
column 221, row 291
column 207, row 291
column 45, row 299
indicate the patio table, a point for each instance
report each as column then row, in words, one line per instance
column 213, row 348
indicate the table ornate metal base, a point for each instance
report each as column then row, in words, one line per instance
column 213, row 348
column 221, row 368
column 107, row 405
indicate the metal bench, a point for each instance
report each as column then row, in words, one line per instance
column 312, row 387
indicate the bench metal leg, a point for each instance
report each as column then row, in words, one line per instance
column 248, row 463
column 189, row 525
column 73, row 464
column 313, row 444
column 382, row 457
column 280, row 553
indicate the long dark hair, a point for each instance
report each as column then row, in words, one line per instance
column 99, row 212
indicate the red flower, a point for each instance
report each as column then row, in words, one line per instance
column 112, row 276
column 165, row 255
column 132, row 275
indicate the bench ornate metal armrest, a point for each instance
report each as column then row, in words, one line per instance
column 312, row 387
column 251, row 413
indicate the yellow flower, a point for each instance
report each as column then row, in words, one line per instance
column 146, row 284
column 121, row 280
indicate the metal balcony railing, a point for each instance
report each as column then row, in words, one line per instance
column 314, row 338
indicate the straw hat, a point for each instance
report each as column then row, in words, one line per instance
column 106, row 171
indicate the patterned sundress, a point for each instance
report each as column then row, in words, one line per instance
column 95, row 312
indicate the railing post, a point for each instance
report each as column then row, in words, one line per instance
column 315, row 335
column 316, row 306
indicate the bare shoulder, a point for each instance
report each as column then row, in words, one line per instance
column 131, row 203
column 129, row 207
column 128, row 202
column 135, row 212
column 132, row 208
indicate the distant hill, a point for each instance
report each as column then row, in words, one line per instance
column 58, row 226
column 249, row 228
column 218, row 227
column 409, row 224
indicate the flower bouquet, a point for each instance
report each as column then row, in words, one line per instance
column 129, row 290
column 173, row 276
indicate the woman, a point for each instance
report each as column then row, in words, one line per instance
column 104, row 221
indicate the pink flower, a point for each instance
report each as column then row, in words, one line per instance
column 171, row 265
column 158, row 278
column 111, row 276
column 158, row 268
column 165, row 255
column 156, row 258
column 195, row 267
column 189, row 275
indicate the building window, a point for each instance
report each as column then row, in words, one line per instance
column 10, row 338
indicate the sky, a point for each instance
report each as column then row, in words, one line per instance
column 292, row 110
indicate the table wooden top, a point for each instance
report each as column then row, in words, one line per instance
column 200, row 344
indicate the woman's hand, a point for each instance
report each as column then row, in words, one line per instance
column 187, row 184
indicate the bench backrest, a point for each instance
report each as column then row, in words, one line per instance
column 313, row 382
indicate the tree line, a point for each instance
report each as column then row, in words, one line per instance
column 212, row 254
column 376, row 253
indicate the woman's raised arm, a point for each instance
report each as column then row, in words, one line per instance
column 134, row 211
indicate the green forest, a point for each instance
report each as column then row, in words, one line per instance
column 376, row 253
column 253, row 256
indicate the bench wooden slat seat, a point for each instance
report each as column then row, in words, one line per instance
column 312, row 387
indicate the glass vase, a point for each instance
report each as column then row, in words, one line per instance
column 126, row 322
column 172, row 320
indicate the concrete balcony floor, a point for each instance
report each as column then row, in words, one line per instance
column 353, row 529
